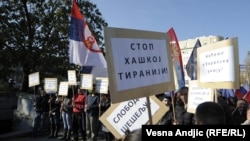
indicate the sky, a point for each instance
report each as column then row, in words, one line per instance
column 189, row 18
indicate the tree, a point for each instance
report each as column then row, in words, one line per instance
column 34, row 35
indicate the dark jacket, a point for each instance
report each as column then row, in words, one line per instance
column 105, row 105
column 93, row 105
column 167, row 119
column 41, row 104
column 239, row 117
column 55, row 106
column 182, row 116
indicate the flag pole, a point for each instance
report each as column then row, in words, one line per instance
column 173, row 104
column 215, row 96
column 35, row 93
column 99, row 105
column 149, row 111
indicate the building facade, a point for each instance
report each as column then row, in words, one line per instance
column 245, row 71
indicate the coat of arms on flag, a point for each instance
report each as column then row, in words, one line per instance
column 83, row 48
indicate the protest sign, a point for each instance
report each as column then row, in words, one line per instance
column 218, row 65
column 139, row 63
column 86, row 81
column 101, row 84
column 63, row 88
column 198, row 95
column 131, row 115
column 34, row 79
column 50, row 85
column 72, row 77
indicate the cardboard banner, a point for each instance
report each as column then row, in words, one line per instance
column 34, row 79
column 50, row 85
column 139, row 63
column 131, row 115
column 218, row 65
column 72, row 77
column 102, row 85
column 63, row 88
column 86, row 81
column 198, row 95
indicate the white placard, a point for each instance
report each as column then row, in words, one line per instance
column 102, row 84
column 34, row 79
column 50, row 85
column 86, row 81
column 130, row 110
column 217, row 65
column 72, row 77
column 143, row 62
column 139, row 63
column 198, row 95
column 132, row 114
column 63, row 88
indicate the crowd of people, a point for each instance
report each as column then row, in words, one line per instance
column 226, row 111
column 80, row 113
column 77, row 113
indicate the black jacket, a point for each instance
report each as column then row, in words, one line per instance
column 182, row 116
column 41, row 104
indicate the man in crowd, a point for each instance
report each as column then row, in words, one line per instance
column 93, row 114
column 41, row 107
column 79, row 119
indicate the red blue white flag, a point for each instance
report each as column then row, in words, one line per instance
column 247, row 97
column 243, row 92
column 177, row 59
column 83, row 48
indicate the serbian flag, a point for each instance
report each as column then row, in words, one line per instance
column 83, row 48
column 241, row 92
column 177, row 59
column 247, row 97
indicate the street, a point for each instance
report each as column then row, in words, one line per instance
column 29, row 137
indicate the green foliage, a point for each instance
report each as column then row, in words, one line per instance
column 3, row 86
column 34, row 35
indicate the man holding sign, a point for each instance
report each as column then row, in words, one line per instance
column 93, row 114
column 41, row 107
column 79, row 119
